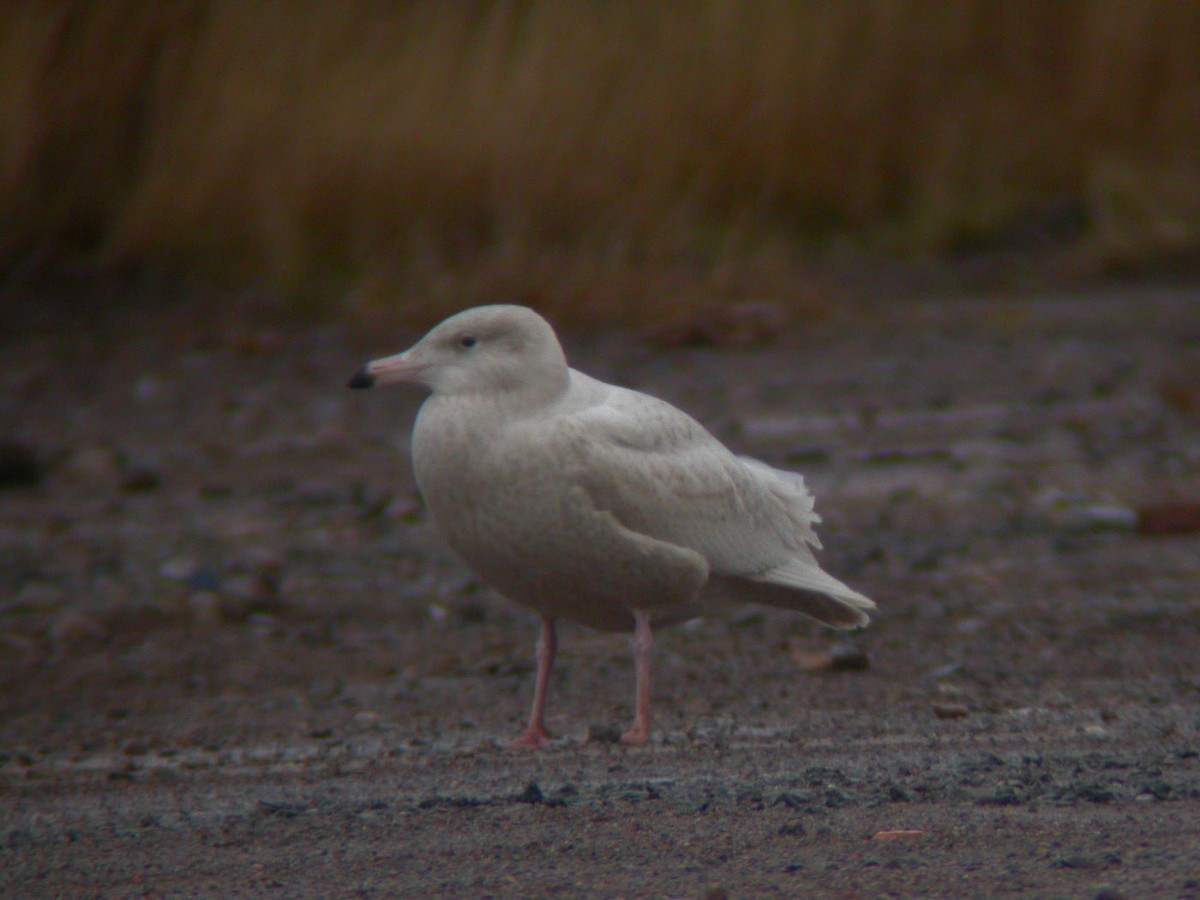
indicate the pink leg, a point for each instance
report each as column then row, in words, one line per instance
column 643, row 641
column 536, row 737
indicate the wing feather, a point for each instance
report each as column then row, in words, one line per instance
column 660, row 473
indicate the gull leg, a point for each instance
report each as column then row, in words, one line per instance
column 643, row 641
column 536, row 737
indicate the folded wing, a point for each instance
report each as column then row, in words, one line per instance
column 661, row 474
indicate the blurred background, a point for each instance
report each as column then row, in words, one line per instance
column 615, row 161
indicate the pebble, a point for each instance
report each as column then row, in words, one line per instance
column 951, row 710
column 72, row 628
column 1165, row 519
column 848, row 658
column 1077, row 513
column 37, row 597
column 93, row 465
column 21, row 648
column 19, row 465
column 531, row 794
column 1099, row 518
column 138, row 479
column 842, row 657
column 205, row 607
column 603, row 734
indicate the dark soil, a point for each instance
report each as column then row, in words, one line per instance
column 235, row 658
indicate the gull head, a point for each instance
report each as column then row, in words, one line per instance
column 494, row 350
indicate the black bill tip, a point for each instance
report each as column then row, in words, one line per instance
column 362, row 379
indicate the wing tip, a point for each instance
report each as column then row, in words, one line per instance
column 850, row 607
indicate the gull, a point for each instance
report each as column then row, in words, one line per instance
column 597, row 504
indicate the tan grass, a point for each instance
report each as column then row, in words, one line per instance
column 435, row 153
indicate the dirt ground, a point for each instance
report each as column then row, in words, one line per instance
column 236, row 660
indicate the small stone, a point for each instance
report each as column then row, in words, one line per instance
column 19, row 465
column 1005, row 796
column 1165, row 519
column 1100, row 518
column 146, row 389
column 946, row 671
column 951, row 710
column 93, row 465
column 178, row 569
column 205, row 607
column 139, row 479
column 843, row 657
column 813, row 661
column 603, row 734
column 72, row 628
column 37, row 597
column 264, row 625
column 21, row 648
column 970, row 625
column 848, row 658
column 258, row 592
column 531, row 794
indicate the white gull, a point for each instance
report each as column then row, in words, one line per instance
column 594, row 503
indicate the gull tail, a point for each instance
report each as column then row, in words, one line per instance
column 804, row 588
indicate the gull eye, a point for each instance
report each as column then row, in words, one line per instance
column 467, row 340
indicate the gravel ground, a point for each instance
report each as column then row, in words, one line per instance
column 235, row 659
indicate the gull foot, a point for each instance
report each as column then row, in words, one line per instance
column 635, row 736
column 533, row 739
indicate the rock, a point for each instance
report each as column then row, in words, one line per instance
column 205, row 607
column 813, row 661
column 1077, row 513
column 843, row 657
column 946, row 671
column 1165, row 519
column 226, row 595
column 848, row 658
column 72, row 628
column 178, row 569
column 138, row 479
column 36, row 597
column 945, row 710
column 531, row 794
column 603, row 734
column 21, row 648
column 93, row 465
column 1099, row 518
column 19, row 466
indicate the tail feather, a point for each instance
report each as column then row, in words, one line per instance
column 803, row 588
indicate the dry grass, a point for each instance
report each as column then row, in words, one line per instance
column 439, row 153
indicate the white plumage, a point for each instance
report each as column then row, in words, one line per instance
column 594, row 503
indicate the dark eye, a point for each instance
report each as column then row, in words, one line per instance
column 467, row 340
